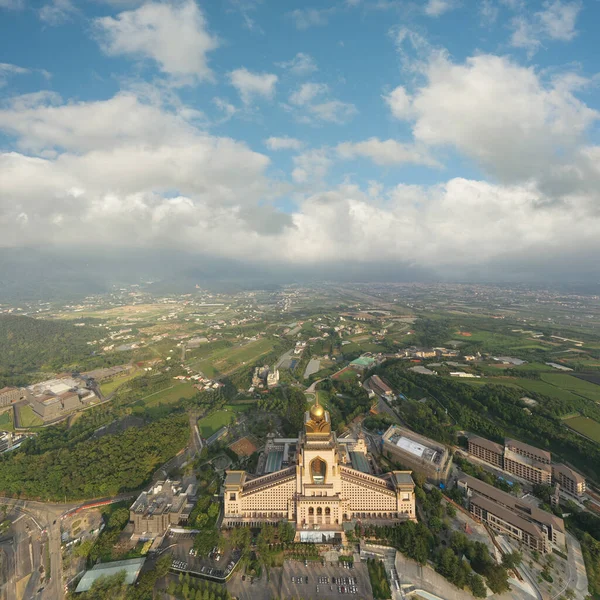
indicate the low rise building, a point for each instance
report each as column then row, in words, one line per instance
column 131, row 568
column 166, row 503
column 486, row 450
column 570, row 481
column 10, row 395
column 379, row 387
column 537, row 528
column 417, row 452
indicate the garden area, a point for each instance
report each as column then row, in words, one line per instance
column 379, row 580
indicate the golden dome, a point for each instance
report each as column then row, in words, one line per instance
column 317, row 412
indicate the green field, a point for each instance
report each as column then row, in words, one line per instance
column 542, row 387
column 227, row 360
column 27, row 418
column 578, row 386
column 108, row 387
column 170, row 394
column 585, row 426
column 6, row 423
column 213, row 422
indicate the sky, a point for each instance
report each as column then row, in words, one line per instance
column 453, row 137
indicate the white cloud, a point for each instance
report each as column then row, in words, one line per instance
column 225, row 107
column 173, row 34
column 514, row 123
column 399, row 103
column 333, row 111
column 283, row 143
column 312, row 102
column 436, row 8
column 311, row 17
column 302, row 64
column 251, row 85
column 7, row 70
column 57, row 12
column 307, row 92
column 556, row 21
column 12, row 4
column 384, row 152
column 311, row 167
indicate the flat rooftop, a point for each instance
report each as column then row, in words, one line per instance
column 132, row 568
column 417, row 449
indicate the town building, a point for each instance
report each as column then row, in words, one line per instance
column 56, row 398
column 316, row 489
column 534, row 527
column 527, row 468
column 417, row 452
column 486, row 450
column 165, row 504
column 10, row 395
column 540, row 456
column 570, row 481
column 362, row 363
column 379, row 387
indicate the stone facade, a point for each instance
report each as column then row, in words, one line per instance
column 318, row 491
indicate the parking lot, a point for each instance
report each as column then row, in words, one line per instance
column 289, row 582
column 325, row 581
column 215, row 565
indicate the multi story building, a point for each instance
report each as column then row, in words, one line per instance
column 486, row 450
column 569, row 480
column 10, row 395
column 318, row 492
column 417, row 452
column 538, row 529
column 527, row 468
column 164, row 504
column 535, row 454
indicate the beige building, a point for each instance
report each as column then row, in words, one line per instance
column 486, row 450
column 318, row 492
column 10, row 395
column 530, row 525
column 164, row 504
column 527, row 468
column 417, row 452
column 540, row 456
column 570, row 481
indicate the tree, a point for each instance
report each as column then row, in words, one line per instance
column 477, row 586
column 512, row 560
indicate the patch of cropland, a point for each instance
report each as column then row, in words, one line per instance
column 585, row 426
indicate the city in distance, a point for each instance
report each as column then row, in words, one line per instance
column 299, row 300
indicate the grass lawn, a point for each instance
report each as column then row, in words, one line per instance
column 6, row 423
column 542, row 387
column 108, row 387
column 573, row 384
column 227, row 360
column 213, row 422
column 27, row 418
column 170, row 395
column 585, row 426
column 347, row 373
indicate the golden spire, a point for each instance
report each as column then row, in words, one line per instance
column 317, row 412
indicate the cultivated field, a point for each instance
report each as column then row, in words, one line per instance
column 573, row 384
column 170, row 394
column 585, row 426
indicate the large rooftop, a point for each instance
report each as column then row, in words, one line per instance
column 163, row 497
column 132, row 568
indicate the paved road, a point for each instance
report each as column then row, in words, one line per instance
column 577, row 576
column 47, row 519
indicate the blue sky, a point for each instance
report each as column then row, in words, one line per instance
column 441, row 134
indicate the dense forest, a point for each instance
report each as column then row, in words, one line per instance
column 93, row 468
column 28, row 345
column 493, row 411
